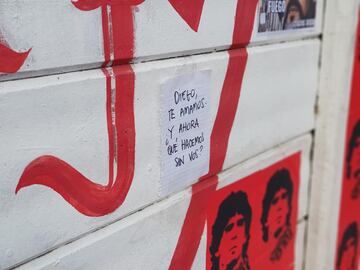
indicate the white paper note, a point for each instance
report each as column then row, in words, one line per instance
column 185, row 130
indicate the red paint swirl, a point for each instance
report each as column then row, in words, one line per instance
column 86, row 196
column 10, row 60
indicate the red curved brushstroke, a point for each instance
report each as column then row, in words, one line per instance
column 86, row 196
column 87, row 5
column 195, row 218
column 190, row 11
column 83, row 194
column 11, row 61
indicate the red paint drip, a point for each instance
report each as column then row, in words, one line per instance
column 83, row 194
column 190, row 11
column 11, row 61
column 195, row 218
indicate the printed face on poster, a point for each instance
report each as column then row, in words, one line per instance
column 252, row 222
column 279, row 15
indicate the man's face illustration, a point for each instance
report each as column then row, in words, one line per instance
column 278, row 211
column 355, row 161
column 232, row 241
column 348, row 255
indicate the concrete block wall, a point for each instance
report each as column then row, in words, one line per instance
column 82, row 117
column 334, row 208
column 93, row 32
column 148, row 238
column 91, row 175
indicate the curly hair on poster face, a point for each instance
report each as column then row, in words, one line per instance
column 280, row 180
column 351, row 232
column 235, row 203
column 355, row 135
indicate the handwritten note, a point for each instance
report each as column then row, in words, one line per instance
column 185, row 130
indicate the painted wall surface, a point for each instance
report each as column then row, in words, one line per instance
column 103, row 33
column 71, row 112
column 93, row 175
column 151, row 232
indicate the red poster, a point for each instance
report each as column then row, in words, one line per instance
column 252, row 223
column 347, row 253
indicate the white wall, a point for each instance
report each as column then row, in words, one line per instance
column 56, row 104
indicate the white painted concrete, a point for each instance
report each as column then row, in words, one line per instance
column 64, row 38
column 64, row 116
column 146, row 239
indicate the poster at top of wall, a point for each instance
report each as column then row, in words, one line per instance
column 252, row 222
column 348, row 250
column 278, row 15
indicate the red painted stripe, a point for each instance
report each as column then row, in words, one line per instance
column 228, row 104
column 125, row 126
column 106, row 35
column 244, row 22
column 123, row 33
column 83, row 194
column 193, row 227
column 109, row 127
column 195, row 219
column 10, row 60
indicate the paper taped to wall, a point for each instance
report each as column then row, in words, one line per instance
column 185, row 130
